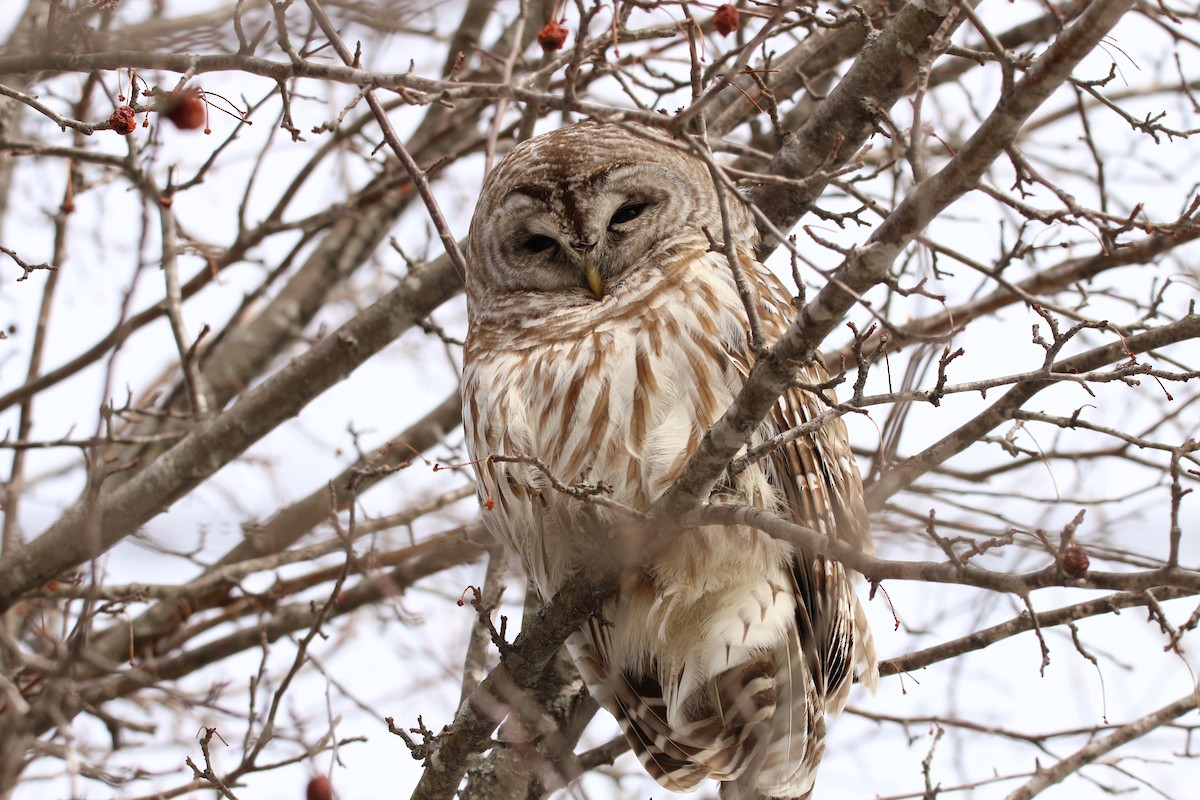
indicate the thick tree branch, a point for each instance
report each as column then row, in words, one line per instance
column 982, row 639
column 1044, row 778
column 519, row 670
column 869, row 265
column 884, row 71
column 213, row 444
column 878, row 569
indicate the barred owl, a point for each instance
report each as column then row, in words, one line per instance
column 605, row 336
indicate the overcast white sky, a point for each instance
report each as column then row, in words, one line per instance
column 407, row 665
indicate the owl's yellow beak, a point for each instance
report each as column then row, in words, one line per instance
column 595, row 280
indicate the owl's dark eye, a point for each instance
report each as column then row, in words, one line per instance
column 627, row 213
column 538, row 243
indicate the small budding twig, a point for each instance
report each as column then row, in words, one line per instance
column 427, row 748
column 1037, row 630
column 587, row 492
column 927, row 763
column 946, row 545
column 939, row 388
column 475, row 662
column 1095, row 662
column 1060, row 338
column 862, row 360
column 727, row 247
column 1155, row 613
column 26, row 266
column 208, row 774
column 1186, row 627
column 484, row 611
column 877, row 586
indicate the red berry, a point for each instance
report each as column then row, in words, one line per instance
column 123, row 120
column 184, row 108
column 725, row 20
column 319, row 788
column 552, row 37
column 1075, row 561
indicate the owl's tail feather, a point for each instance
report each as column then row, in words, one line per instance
column 725, row 728
column 784, row 765
column 639, row 707
column 751, row 721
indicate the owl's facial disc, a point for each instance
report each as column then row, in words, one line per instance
column 581, row 230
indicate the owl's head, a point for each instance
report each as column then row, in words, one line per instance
column 578, row 214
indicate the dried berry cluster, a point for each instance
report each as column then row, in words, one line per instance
column 725, row 20
column 552, row 37
column 123, row 120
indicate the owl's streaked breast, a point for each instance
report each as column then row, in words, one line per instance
column 619, row 383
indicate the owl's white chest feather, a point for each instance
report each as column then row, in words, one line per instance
column 624, row 401
column 618, row 395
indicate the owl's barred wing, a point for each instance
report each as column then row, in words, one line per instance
column 817, row 473
column 821, row 486
column 819, row 481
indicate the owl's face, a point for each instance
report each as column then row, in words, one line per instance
column 579, row 212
